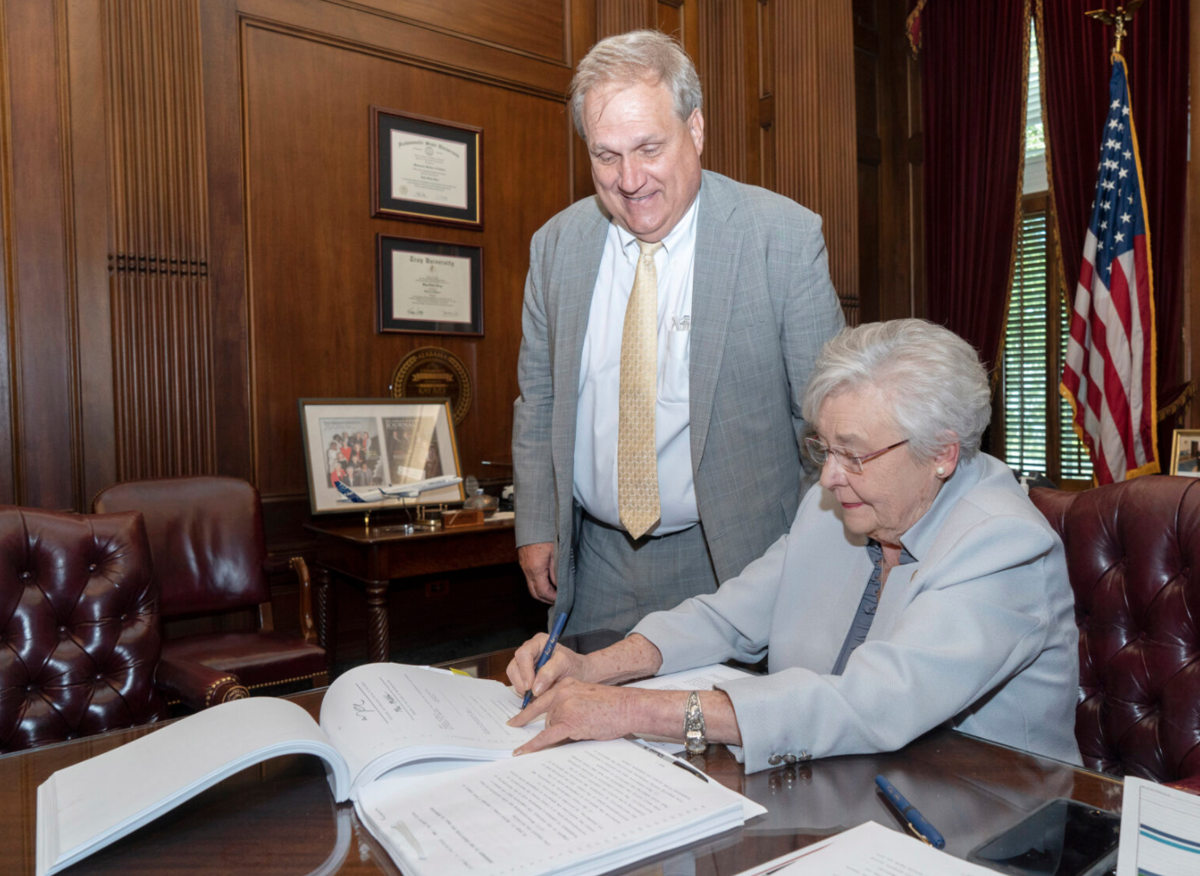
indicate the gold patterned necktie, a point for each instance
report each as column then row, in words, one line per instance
column 637, row 458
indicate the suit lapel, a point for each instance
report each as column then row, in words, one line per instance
column 713, row 286
column 573, row 288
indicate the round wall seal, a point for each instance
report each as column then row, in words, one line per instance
column 431, row 372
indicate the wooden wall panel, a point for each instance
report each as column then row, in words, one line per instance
column 620, row 16
column 311, row 239
column 89, row 179
column 1191, row 298
column 722, row 65
column 161, row 309
column 583, row 37
column 8, row 447
column 535, row 27
column 680, row 19
column 887, row 123
column 38, row 242
column 814, row 123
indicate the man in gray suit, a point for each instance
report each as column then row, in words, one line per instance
column 670, row 324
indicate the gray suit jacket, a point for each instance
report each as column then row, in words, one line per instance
column 978, row 634
column 762, row 307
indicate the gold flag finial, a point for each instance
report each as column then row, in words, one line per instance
column 1123, row 14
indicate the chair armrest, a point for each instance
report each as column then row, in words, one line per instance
column 308, row 626
column 195, row 685
column 1191, row 784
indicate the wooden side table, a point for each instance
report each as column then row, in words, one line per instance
column 375, row 557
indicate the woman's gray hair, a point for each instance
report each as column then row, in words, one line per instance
column 932, row 378
column 638, row 56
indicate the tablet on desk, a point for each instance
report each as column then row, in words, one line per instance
column 1062, row 838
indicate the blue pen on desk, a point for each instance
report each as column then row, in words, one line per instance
column 915, row 820
column 559, row 623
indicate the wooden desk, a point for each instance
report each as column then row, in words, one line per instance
column 279, row 818
column 374, row 558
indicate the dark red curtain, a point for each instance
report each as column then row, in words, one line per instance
column 972, row 62
column 1076, row 68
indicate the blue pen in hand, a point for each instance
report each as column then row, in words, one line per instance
column 915, row 820
column 559, row 623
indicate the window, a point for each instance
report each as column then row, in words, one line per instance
column 1035, row 429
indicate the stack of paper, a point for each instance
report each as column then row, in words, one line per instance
column 581, row 809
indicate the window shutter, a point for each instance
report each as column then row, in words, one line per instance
column 1027, row 353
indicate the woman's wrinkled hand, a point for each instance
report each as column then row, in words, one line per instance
column 577, row 710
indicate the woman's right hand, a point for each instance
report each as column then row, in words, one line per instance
column 563, row 663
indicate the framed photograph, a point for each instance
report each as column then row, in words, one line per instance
column 425, row 170
column 376, row 448
column 1185, row 453
column 429, row 287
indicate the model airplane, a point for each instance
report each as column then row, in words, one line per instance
column 403, row 491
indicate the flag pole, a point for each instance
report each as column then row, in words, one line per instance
column 1117, row 19
column 1110, row 374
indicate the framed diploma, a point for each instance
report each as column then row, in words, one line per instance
column 425, row 170
column 429, row 287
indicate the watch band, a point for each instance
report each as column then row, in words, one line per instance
column 693, row 725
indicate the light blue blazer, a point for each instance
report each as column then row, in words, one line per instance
column 979, row 634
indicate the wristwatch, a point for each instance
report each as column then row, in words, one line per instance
column 693, row 725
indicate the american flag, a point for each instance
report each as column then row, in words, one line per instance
column 1109, row 376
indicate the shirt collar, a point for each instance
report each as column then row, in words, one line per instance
column 875, row 551
column 922, row 533
column 680, row 235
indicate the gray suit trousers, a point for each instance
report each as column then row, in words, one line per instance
column 619, row 581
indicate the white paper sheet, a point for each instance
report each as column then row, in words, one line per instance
column 1160, row 831
column 868, row 850
column 700, row 678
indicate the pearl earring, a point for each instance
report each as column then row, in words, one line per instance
column 941, row 471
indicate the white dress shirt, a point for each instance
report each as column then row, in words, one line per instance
column 597, row 419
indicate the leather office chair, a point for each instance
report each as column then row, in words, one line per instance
column 1133, row 556
column 206, row 539
column 79, row 630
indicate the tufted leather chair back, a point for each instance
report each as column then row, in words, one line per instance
column 79, row 627
column 206, row 538
column 1133, row 556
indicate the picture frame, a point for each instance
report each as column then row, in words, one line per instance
column 425, row 169
column 428, row 287
column 1185, row 453
column 377, row 443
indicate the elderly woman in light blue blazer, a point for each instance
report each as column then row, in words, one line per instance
column 917, row 587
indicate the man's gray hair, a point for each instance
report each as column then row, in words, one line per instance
column 638, row 56
column 932, row 378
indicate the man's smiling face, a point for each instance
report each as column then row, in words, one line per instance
column 645, row 159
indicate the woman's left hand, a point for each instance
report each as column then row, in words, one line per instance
column 579, row 710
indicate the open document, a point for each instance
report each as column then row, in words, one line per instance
column 374, row 718
column 579, row 809
column 1160, row 831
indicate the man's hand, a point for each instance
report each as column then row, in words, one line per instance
column 537, row 562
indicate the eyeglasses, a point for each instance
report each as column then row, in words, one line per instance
column 820, row 451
